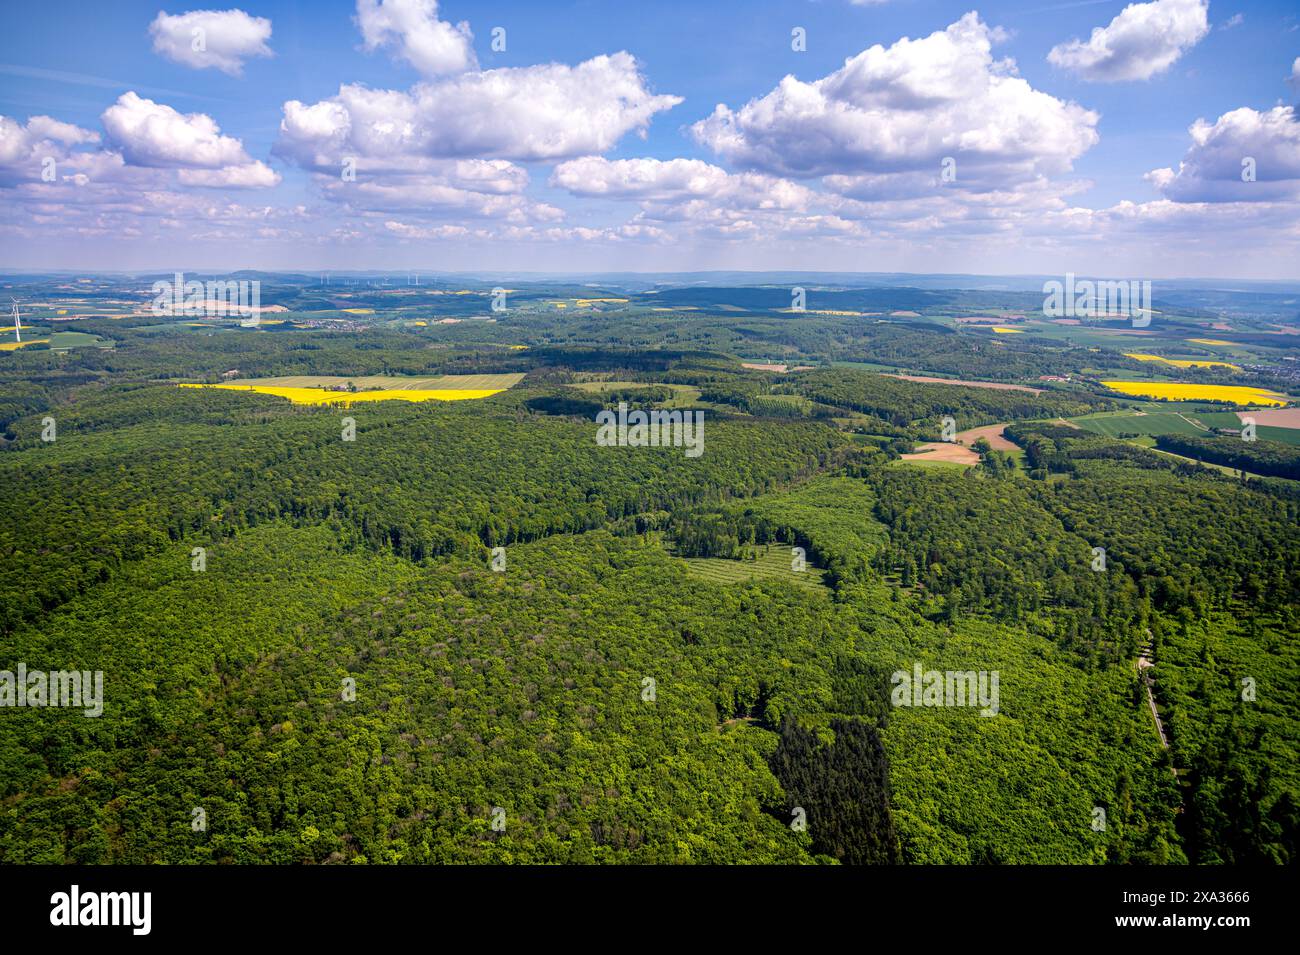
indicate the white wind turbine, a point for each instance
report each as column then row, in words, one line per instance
column 18, row 327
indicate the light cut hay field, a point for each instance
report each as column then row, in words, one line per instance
column 1277, row 418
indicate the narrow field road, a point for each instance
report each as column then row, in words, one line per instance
column 1144, row 663
column 1194, row 424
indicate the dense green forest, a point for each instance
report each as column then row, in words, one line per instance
column 352, row 673
column 1258, row 457
column 904, row 403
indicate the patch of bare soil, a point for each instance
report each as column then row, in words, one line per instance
column 996, row 385
column 943, row 451
column 992, row 433
column 1274, row 417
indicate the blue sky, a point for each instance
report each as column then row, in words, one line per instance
column 123, row 147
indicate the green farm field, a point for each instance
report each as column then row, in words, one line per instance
column 773, row 564
column 683, row 395
column 954, row 466
column 1112, row 424
column 1228, row 419
column 77, row 340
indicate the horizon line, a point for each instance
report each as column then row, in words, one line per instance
column 6, row 272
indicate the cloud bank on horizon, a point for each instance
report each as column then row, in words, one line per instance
column 928, row 150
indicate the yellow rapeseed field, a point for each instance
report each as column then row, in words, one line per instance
column 1004, row 330
column 1183, row 362
column 1182, row 391
column 321, row 396
column 1208, row 341
column 14, row 346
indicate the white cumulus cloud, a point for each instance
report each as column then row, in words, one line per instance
column 155, row 135
column 678, row 188
column 902, row 109
column 1143, row 40
column 550, row 111
column 412, row 28
column 1268, row 143
column 249, row 175
column 639, row 178
column 216, row 39
column 434, row 197
column 24, row 148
